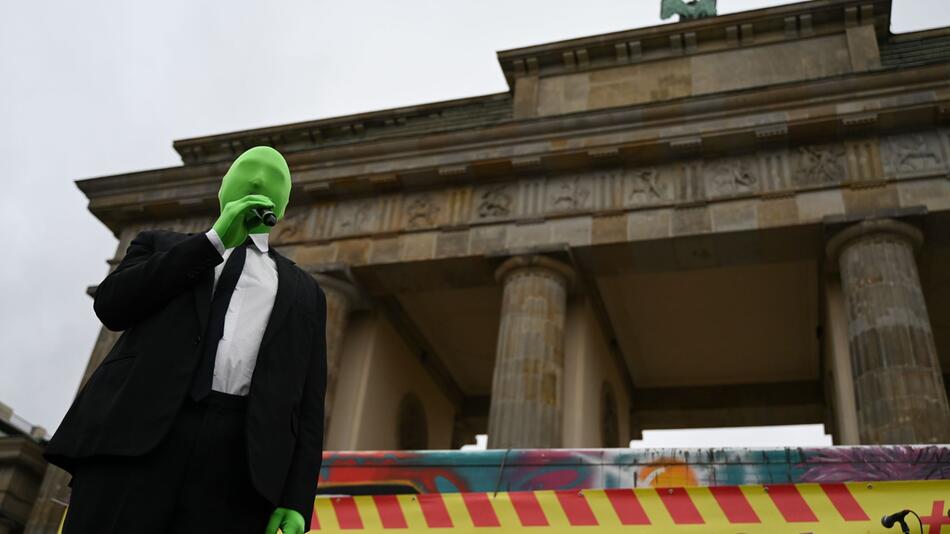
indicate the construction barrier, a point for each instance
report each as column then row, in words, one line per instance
column 835, row 508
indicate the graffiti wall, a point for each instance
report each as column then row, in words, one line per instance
column 550, row 469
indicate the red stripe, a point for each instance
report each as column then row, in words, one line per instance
column 481, row 510
column 576, row 509
column 790, row 503
column 734, row 504
column 390, row 512
column 627, row 506
column 844, row 502
column 346, row 513
column 433, row 509
column 680, row 506
column 528, row 509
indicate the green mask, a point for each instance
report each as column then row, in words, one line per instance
column 258, row 171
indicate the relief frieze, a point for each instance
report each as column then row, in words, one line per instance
column 293, row 227
column 355, row 217
column 775, row 171
column 818, row 165
column 569, row 193
column 731, row 176
column 646, row 186
column 912, row 154
column 494, row 201
column 421, row 211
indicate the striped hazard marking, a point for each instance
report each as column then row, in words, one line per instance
column 769, row 509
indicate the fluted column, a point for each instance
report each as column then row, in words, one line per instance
column 899, row 390
column 529, row 363
column 341, row 298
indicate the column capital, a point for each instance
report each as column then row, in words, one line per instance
column 331, row 283
column 535, row 262
column 872, row 227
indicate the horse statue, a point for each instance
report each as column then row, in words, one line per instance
column 697, row 9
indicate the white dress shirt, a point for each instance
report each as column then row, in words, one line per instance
column 247, row 315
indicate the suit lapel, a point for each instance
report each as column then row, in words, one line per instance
column 283, row 301
column 203, row 298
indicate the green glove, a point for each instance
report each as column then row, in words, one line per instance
column 289, row 521
column 231, row 225
column 258, row 178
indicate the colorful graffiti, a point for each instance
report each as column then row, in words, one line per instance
column 530, row 470
column 844, row 464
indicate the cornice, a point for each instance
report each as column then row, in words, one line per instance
column 288, row 138
column 331, row 163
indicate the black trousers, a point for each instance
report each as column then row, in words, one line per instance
column 195, row 480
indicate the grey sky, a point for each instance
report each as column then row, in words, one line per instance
column 103, row 87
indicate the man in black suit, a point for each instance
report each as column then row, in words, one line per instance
column 207, row 414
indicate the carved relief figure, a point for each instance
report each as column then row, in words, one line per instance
column 646, row 186
column 355, row 217
column 820, row 164
column 494, row 202
column 568, row 194
column 912, row 153
column 421, row 211
column 292, row 228
column 732, row 176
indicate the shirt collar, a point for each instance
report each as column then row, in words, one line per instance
column 260, row 241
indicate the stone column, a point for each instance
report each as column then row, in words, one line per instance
column 341, row 298
column 529, row 363
column 898, row 385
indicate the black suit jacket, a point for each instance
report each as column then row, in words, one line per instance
column 160, row 295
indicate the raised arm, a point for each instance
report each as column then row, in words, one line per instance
column 146, row 279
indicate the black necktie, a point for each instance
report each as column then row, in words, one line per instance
column 201, row 385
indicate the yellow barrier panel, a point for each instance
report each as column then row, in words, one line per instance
column 771, row 509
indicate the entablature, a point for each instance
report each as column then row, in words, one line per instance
column 855, row 106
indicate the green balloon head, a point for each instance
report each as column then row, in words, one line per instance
column 258, row 171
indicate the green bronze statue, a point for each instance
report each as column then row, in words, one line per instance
column 698, row 9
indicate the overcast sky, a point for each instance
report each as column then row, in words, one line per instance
column 103, row 87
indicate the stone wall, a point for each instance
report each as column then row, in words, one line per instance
column 21, row 472
column 588, row 370
column 693, row 76
column 376, row 371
